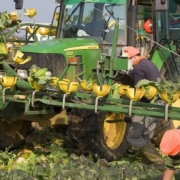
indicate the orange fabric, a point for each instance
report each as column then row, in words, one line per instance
column 170, row 143
column 131, row 51
column 138, row 59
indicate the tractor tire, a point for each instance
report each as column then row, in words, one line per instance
column 95, row 134
column 13, row 138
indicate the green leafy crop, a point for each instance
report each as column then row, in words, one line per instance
column 39, row 76
column 168, row 86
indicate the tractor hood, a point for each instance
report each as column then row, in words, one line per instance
column 58, row 46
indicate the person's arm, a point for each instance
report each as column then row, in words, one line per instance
column 168, row 174
column 138, row 74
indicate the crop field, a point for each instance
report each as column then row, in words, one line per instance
column 46, row 155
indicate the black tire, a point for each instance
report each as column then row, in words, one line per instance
column 14, row 140
column 90, row 133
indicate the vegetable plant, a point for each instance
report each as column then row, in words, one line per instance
column 168, row 88
column 46, row 158
column 39, row 76
column 150, row 88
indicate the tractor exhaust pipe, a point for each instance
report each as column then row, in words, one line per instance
column 18, row 4
column 132, row 18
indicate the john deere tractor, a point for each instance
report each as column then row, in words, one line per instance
column 79, row 77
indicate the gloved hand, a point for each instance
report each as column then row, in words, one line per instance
column 127, row 119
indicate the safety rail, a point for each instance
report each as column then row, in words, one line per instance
column 87, row 101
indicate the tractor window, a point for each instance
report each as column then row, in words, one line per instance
column 95, row 20
column 174, row 21
column 111, row 13
column 168, row 23
column 168, row 33
column 142, row 37
column 71, row 22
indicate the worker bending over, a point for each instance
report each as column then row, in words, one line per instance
column 142, row 128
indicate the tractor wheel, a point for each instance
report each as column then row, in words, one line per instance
column 12, row 135
column 103, row 135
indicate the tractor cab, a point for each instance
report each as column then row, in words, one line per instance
column 166, row 40
column 91, row 20
column 95, row 20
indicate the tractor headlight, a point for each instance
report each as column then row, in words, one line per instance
column 22, row 73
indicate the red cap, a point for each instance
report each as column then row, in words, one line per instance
column 170, row 143
column 148, row 26
column 131, row 51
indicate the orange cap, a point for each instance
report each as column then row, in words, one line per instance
column 170, row 143
column 131, row 51
column 148, row 26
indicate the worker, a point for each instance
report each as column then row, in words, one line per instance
column 142, row 128
column 170, row 146
column 142, row 67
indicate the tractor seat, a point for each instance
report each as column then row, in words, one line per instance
column 95, row 28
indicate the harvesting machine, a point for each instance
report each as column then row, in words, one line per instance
column 79, row 77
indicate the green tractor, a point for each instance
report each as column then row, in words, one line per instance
column 79, row 78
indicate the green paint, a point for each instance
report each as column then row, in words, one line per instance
column 160, row 55
column 120, row 63
column 58, row 46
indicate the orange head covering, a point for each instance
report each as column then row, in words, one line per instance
column 148, row 26
column 170, row 143
column 131, row 51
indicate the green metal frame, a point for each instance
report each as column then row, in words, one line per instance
column 88, row 101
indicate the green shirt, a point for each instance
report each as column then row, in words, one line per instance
column 173, row 162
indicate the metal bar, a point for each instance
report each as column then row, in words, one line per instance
column 158, row 112
column 138, row 108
